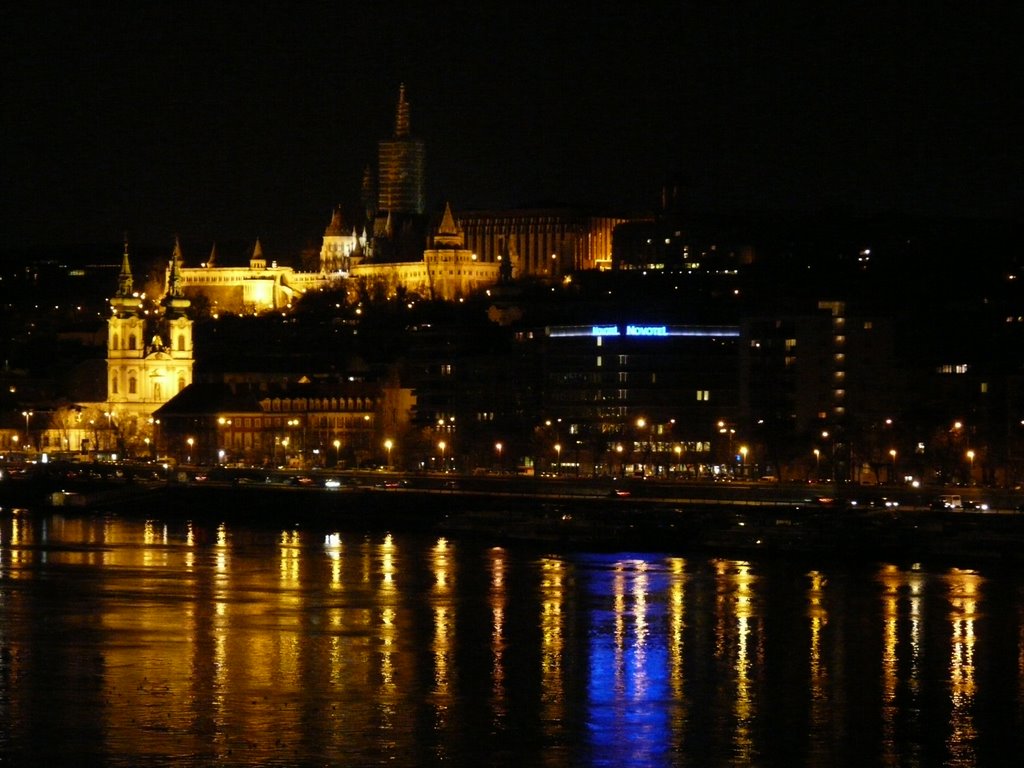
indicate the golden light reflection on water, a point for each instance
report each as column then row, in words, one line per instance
column 963, row 588
column 443, row 622
column 215, row 642
column 552, row 596
column 498, row 600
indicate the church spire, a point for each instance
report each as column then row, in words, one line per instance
column 174, row 279
column 175, row 302
column 402, row 128
column 124, row 280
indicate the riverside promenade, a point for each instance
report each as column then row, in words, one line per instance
column 731, row 518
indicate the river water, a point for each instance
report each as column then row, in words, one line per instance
column 133, row 643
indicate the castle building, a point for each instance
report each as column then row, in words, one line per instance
column 258, row 286
column 341, row 248
column 543, row 242
column 447, row 271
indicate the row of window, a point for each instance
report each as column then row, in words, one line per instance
column 134, row 343
column 156, row 392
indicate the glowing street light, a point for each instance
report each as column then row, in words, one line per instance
column 497, row 448
column 558, row 456
column 970, row 458
column 743, row 460
column 27, row 415
column 337, row 452
column 892, row 455
column 191, row 441
column 441, row 446
column 388, row 445
column 817, row 464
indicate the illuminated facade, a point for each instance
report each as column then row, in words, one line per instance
column 341, row 249
column 651, row 397
column 306, row 423
column 447, row 271
column 258, row 287
column 149, row 359
column 541, row 243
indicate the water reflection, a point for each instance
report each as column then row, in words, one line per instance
column 176, row 642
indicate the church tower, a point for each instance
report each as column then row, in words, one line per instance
column 149, row 356
column 400, row 167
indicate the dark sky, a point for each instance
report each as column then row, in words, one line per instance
column 221, row 120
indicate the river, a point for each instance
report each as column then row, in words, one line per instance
column 134, row 642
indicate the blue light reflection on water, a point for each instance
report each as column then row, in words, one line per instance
column 629, row 696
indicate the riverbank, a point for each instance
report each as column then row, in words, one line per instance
column 741, row 520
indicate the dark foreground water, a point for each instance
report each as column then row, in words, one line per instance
column 173, row 643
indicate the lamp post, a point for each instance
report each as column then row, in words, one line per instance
column 679, row 459
column 28, row 437
column 337, row 452
column 892, row 455
column 817, row 464
column 970, row 458
column 190, row 441
column 743, row 461
column 388, row 445
column 441, row 445
column 558, row 458
column 497, row 449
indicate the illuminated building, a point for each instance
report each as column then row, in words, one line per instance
column 447, row 271
column 149, row 351
column 322, row 422
column 542, row 243
column 650, row 388
column 256, row 287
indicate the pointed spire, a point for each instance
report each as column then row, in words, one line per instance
column 256, row 261
column 175, row 302
column 448, row 231
column 124, row 280
column 334, row 228
column 174, row 280
column 402, row 115
column 213, row 255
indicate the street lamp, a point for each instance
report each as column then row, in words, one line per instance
column 817, row 464
column 337, row 452
column 743, row 460
column 970, row 457
column 497, row 448
column 388, row 445
column 28, row 437
column 892, row 455
column 558, row 457
column 191, row 442
column 441, row 446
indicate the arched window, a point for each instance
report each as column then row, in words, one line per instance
column 114, row 341
column 181, row 383
column 131, row 341
column 181, row 342
column 132, row 385
column 113, row 385
column 156, row 390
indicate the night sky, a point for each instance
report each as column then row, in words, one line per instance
column 226, row 121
